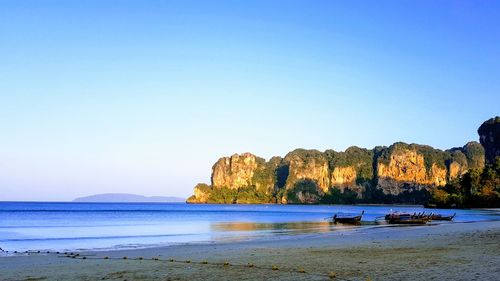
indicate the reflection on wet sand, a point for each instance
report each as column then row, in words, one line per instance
column 280, row 228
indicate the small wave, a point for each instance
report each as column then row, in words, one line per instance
column 97, row 238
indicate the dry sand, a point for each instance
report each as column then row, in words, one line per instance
column 455, row 251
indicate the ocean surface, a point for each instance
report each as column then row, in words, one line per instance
column 28, row 226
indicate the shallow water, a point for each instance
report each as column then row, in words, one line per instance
column 72, row 226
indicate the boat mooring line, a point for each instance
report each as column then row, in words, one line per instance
column 225, row 264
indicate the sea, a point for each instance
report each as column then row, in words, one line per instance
column 65, row 226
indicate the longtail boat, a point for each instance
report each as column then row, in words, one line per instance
column 406, row 218
column 342, row 218
column 439, row 217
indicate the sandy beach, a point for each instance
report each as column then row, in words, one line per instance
column 455, row 251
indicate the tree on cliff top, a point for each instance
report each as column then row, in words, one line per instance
column 361, row 159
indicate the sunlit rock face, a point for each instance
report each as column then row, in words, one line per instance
column 240, row 178
column 343, row 177
column 351, row 169
column 462, row 159
column 489, row 136
column 235, row 171
column 402, row 171
column 455, row 170
column 457, row 163
column 307, row 164
column 305, row 176
column 437, row 176
column 404, row 167
column 244, row 170
column 201, row 194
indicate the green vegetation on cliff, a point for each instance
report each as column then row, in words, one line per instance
column 474, row 152
column 476, row 188
column 306, row 161
column 304, row 192
column 400, row 173
column 225, row 195
column 335, row 196
column 432, row 156
column 359, row 158
column 264, row 177
column 456, row 155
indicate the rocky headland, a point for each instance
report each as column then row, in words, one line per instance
column 400, row 173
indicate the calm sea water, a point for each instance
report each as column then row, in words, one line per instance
column 77, row 226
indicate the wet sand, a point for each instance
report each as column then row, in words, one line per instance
column 453, row 251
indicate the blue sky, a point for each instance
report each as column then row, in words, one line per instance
column 144, row 96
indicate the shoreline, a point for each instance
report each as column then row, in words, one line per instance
column 341, row 229
column 460, row 251
column 275, row 232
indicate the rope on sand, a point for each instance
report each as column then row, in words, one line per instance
column 225, row 264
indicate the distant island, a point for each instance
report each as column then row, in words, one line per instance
column 467, row 176
column 128, row 198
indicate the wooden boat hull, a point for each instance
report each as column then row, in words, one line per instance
column 407, row 221
column 347, row 220
column 405, row 218
column 442, row 218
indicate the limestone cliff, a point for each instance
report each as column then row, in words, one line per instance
column 235, row 171
column 489, row 136
column 461, row 159
column 245, row 170
column 307, row 165
column 240, row 178
column 201, row 194
column 403, row 167
column 475, row 154
column 306, row 176
column 343, row 177
column 264, row 177
column 350, row 169
column 402, row 173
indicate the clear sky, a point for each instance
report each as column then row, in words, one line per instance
column 144, row 96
